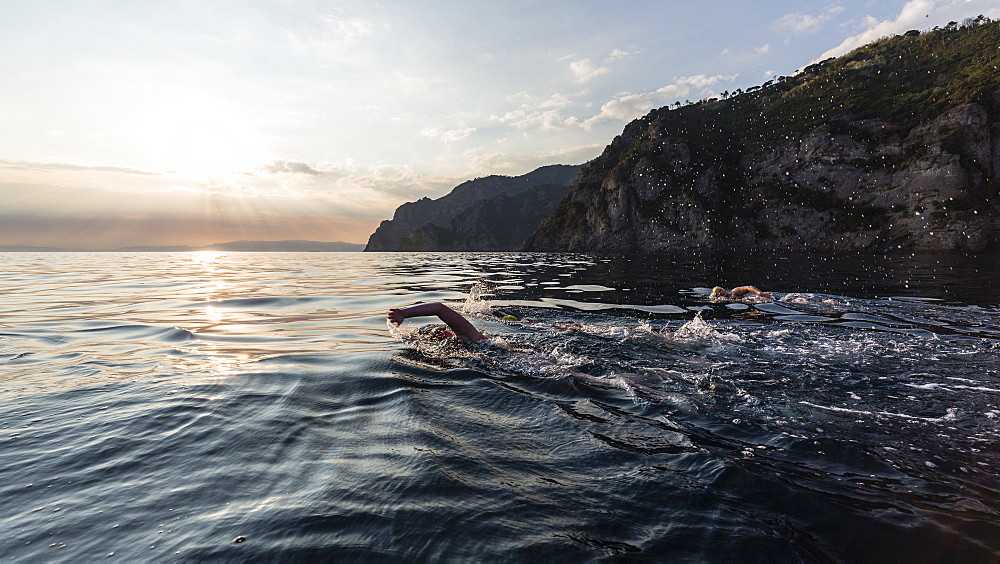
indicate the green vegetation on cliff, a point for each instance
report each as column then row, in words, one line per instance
column 904, row 80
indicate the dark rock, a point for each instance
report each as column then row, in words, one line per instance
column 495, row 213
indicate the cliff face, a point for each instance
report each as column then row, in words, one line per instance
column 859, row 153
column 498, row 224
column 495, row 213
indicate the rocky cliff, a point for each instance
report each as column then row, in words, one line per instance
column 893, row 146
column 494, row 213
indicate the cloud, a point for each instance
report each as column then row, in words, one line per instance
column 618, row 54
column 448, row 135
column 366, row 190
column 700, row 81
column 24, row 165
column 348, row 28
column 805, row 23
column 496, row 162
column 585, row 70
column 337, row 37
column 545, row 114
column 763, row 49
column 556, row 101
column 915, row 14
column 371, row 189
column 798, row 23
column 293, row 167
column 628, row 106
column 542, row 119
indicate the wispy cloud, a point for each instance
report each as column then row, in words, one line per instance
column 618, row 54
column 497, row 162
column 347, row 28
column 545, row 114
column 293, row 167
column 23, row 165
column 628, row 106
column 556, row 101
column 807, row 23
column 548, row 119
column 448, row 135
column 334, row 35
column 367, row 190
column 585, row 70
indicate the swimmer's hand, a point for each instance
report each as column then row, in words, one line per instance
column 395, row 316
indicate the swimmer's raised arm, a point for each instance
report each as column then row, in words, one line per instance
column 452, row 318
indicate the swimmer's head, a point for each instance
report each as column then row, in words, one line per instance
column 719, row 292
column 443, row 333
column 509, row 318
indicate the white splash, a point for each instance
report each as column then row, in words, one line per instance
column 395, row 331
column 475, row 303
column 699, row 331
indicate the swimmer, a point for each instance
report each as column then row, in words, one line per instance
column 739, row 292
column 460, row 326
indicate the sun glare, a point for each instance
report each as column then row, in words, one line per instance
column 206, row 258
column 198, row 139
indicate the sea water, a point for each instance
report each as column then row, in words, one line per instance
column 256, row 406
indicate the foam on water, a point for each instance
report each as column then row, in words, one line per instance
column 698, row 331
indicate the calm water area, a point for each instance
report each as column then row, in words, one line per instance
column 257, row 407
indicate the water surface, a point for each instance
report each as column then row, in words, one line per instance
column 164, row 406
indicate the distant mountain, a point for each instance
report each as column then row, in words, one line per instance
column 494, row 213
column 498, row 224
column 29, row 249
column 247, row 246
column 284, row 246
column 894, row 146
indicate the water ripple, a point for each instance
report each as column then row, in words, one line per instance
column 162, row 406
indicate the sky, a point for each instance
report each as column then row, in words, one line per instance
column 181, row 122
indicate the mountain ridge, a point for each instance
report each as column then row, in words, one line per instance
column 438, row 225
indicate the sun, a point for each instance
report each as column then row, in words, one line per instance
column 198, row 138
column 211, row 150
